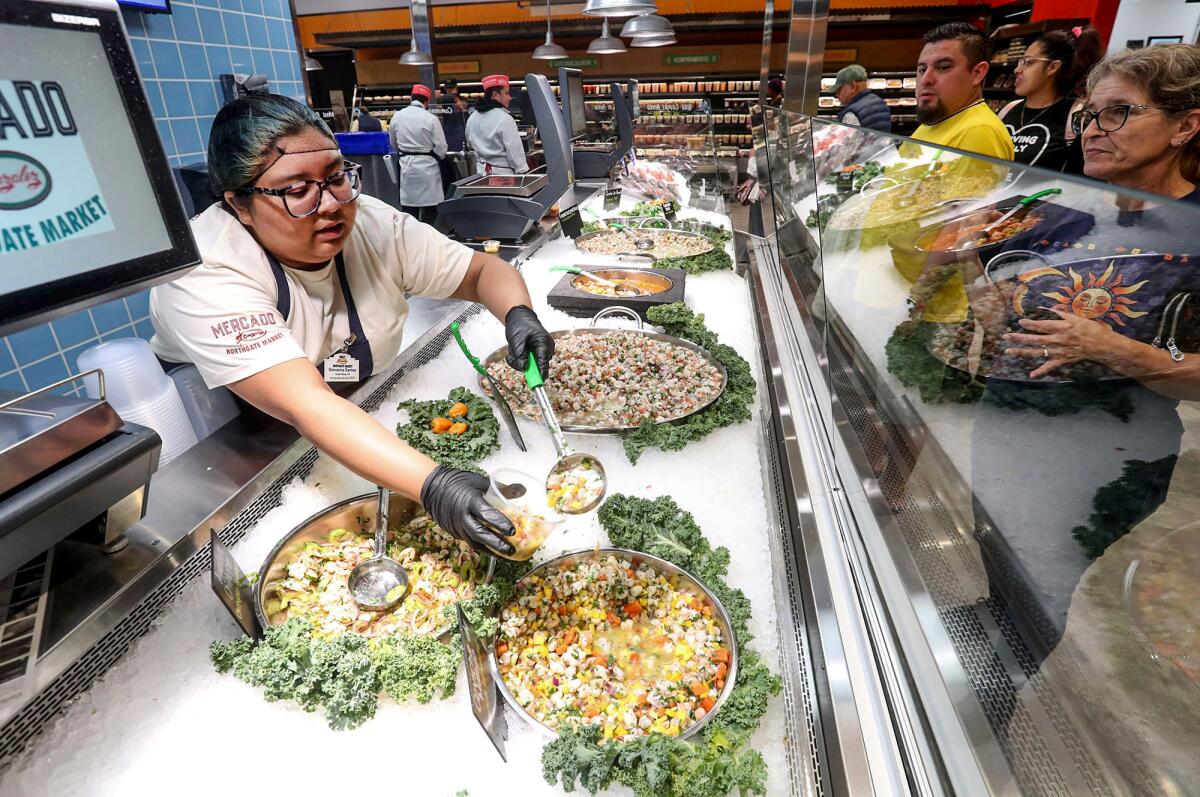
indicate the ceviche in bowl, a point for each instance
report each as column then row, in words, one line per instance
column 305, row 576
column 618, row 639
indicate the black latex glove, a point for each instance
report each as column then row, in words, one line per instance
column 526, row 334
column 454, row 498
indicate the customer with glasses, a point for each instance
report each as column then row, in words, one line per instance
column 1049, row 76
column 1140, row 126
column 303, row 282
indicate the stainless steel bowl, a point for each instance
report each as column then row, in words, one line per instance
column 356, row 515
column 640, row 282
column 663, row 566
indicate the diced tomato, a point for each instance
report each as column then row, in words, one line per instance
column 591, row 711
column 707, row 703
column 699, row 689
column 501, row 648
column 721, row 654
column 613, row 619
column 633, row 609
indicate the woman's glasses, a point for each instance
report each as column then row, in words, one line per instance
column 1109, row 120
column 304, row 198
column 1028, row 60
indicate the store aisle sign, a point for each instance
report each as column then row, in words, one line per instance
column 458, row 67
column 692, row 58
column 575, row 63
column 48, row 190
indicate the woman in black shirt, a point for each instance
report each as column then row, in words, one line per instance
column 1048, row 76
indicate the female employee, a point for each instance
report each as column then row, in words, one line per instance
column 1048, row 76
column 303, row 281
column 1080, row 417
column 417, row 137
column 492, row 133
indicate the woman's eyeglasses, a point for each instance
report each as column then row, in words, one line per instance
column 1028, row 60
column 304, row 198
column 1109, row 120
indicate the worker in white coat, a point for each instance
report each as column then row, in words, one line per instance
column 492, row 133
column 420, row 144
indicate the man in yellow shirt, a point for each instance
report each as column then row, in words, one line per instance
column 950, row 107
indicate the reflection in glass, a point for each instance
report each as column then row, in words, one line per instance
column 1015, row 355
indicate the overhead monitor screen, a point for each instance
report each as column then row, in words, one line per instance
column 163, row 6
column 575, row 98
column 87, row 205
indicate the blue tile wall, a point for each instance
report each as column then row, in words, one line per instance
column 180, row 57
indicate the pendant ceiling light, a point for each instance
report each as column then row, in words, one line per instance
column 549, row 51
column 415, row 57
column 648, row 25
column 652, row 41
column 311, row 64
column 606, row 43
column 618, row 8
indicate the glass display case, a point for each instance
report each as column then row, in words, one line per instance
column 1002, row 363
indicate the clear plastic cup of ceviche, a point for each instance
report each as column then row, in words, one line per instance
column 522, row 499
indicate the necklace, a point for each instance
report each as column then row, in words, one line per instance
column 1040, row 114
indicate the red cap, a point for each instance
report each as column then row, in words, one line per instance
column 492, row 81
column 421, row 91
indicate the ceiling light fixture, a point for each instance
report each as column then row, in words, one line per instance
column 311, row 64
column 648, row 25
column 618, row 8
column 606, row 43
column 549, row 51
column 415, row 57
column 652, row 41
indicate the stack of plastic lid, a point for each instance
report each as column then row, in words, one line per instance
column 140, row 392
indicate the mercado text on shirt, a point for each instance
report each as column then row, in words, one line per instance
column 54, row 229
column 249, row 331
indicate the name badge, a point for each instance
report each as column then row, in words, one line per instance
column 341, row 367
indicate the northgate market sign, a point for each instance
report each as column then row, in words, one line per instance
column 48, row 190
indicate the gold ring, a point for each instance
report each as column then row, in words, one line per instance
column 1045, row 352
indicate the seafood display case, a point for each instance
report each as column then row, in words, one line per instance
column 1001, row 480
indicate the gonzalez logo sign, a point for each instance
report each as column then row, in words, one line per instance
column 24, row 181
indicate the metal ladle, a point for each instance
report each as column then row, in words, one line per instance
column 567, row 459
column 379, row 583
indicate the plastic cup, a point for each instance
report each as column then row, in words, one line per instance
column 529, row 511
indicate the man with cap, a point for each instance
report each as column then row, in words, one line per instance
column 420, row 143
column 860, row 106
column 492, row 133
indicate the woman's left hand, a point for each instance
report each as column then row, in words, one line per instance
column 1069, row 340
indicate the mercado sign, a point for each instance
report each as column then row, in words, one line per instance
column 692, row 58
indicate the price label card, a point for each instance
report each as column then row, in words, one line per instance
column 571, row 222
column 233, row 588
column 485, row 699
column 845, row 182
column 612, row 197
column 670, row 209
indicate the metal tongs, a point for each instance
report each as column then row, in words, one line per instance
column 497, row 393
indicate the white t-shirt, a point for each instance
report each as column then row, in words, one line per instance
column 222, row 315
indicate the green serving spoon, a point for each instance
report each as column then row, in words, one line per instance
column 1022, row 205
column 568, row 460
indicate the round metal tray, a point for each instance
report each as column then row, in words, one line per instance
column 655, row 283
column 356, row 515
column 663, row 566
column 499, row 354
column 648, row 232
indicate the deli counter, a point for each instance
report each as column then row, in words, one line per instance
column 957, row 563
